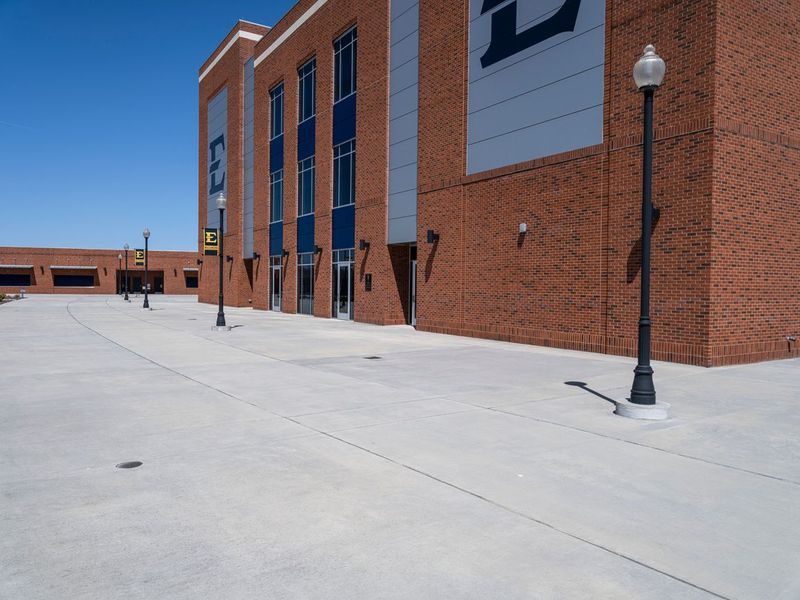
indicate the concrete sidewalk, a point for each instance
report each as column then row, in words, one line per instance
column 281, row 462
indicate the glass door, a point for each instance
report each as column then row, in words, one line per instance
column 276, row 282
column 413, row 287
column 343, row 283
column 344, row 278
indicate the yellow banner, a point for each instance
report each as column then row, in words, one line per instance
column 210, row 241
column 138, row 257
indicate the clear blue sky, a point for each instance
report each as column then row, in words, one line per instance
column 98, row 117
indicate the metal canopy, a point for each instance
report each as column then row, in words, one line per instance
column 74, row 267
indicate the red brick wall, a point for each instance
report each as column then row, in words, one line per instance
column 755, row 292
column 726, row 180
column 229, row 71
column 107, row 263
column 572, row 280
column 384, row 304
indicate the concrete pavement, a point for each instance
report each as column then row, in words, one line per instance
column 280, row 462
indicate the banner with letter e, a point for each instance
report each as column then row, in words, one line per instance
column 210, row 241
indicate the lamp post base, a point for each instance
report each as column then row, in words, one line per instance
column 649, row 412
column 221, row 327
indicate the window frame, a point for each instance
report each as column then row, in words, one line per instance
column 306, row 71
column 273, row 181
column 337, row 163
column 340, row 45
column 304, row 166
column 276, row 94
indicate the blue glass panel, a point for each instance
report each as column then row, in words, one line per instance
column 276, row 154
column 305, row 234
column 344, row 120
column 276, row 238
column 305, row 139
column 344, row 227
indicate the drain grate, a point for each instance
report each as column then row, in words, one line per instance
column 373, row 357
column 130, row 464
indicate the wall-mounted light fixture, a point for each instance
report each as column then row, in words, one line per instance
column 363, row 244
column 317, row 249
column 199, row 261
column 523, row 228
column 256, row 256
column 229, row 258
column 284, row 252
column 432, row 236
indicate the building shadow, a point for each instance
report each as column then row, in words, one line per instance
column 429, row 260
column 584, row 386
column 635, row 255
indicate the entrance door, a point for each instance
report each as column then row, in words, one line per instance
column 413, row 288
column 344, row 289
column 276, row 279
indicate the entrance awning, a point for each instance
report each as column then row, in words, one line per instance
column 73, row 267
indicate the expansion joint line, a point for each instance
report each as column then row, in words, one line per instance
column 405, row 466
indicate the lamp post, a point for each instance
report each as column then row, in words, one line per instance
column 146, row 234
column 119, row 268
column 126, row 247
column 222, row 204
column 648, row 73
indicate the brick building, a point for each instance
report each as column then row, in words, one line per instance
column 83, row 271
column 394, row 187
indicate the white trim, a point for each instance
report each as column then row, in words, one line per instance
column 244, row 34
column 191, row 269
column 16, row 266
column 73, row 267
column 289, row 31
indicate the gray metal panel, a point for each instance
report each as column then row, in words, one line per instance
column 217, row 126
column 542, row 100
column 403, row 179
column 403, row 204
column 403, row 230
column 400, row 6
column 247, row 160
column 404, row 101
column 404, row 75
column 403, row 153
column 406, row 49
column 403, row 121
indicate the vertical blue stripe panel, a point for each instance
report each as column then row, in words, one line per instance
column 344, row 227
column 276, row 238
column 305, row 234
column 276, row 154
column 247, row 162
column 344, row 120
column 305, row 139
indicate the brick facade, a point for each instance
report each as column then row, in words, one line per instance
column 726, row 181
column 104, row 266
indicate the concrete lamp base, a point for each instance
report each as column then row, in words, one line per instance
column 221, row 327
column 650, row 412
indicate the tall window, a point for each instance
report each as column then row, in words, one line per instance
column 344, row 65
column 276, row 111
column 305, row 283
column 305, row 187
column 344, row 174
column 308, row 82
column 276, row 196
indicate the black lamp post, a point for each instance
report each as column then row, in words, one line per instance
column 648, row 73
column 119, row 268
column 222, row 204
column 146, row 234
column 126, row 247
